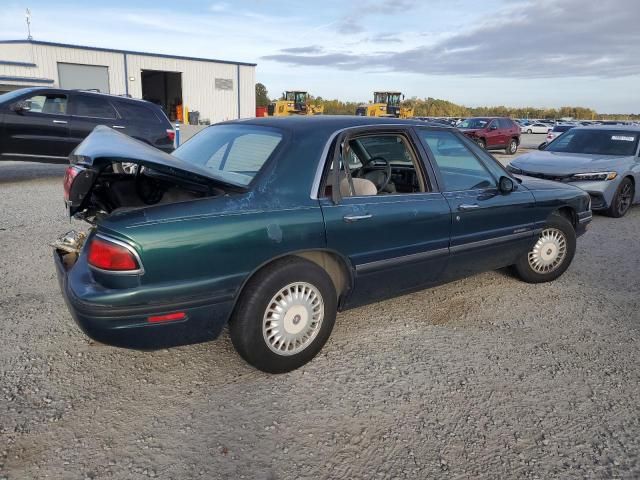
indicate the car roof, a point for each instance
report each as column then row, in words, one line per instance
column 329, row 122
column 631, row 128
column 84, row 92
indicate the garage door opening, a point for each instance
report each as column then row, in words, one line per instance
column 164, row 89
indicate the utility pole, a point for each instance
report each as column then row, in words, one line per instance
column 28, row 19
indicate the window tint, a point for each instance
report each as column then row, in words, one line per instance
column 235, row 152
column 505, row 123
column 86, row 106
column 55, row 104
column 136, row 113
column 460, row 169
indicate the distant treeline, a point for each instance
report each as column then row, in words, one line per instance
column 434, row 107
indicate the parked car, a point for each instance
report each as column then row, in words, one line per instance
column 493, row 133
column 46, row 124
column 272, row 225
column 603, row 160
column 557, row 131
column 536, row 128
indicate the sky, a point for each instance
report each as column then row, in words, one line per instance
column 540, row 53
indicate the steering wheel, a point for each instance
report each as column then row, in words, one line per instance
column 380, row 175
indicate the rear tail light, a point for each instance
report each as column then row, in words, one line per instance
column 171, row 134
column 169, row 317
column 69, row 176
column 112, row 256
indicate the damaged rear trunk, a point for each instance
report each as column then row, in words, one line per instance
column 112, row 172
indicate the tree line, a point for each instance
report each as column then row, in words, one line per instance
column 435, row 107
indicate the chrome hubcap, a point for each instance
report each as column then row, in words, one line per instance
column 549, row 251
column 293, row 318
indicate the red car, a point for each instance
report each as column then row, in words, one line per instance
column 493, row 133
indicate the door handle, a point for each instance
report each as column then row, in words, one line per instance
column 118, row 126
column 63, row 122
column 355, row 218
column 468, row 206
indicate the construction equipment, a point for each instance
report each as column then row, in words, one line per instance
column 385, row 104
column 293, row 102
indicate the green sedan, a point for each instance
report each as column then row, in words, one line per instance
column 271, row 226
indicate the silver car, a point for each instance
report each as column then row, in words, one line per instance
column 603, row 160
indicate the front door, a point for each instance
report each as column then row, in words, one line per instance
column 41, row 131
column 386, row 219
column 489, row 229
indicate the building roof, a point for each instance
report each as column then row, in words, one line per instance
column 129, row 52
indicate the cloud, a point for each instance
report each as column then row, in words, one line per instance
column 298, row 50
column 351, row 23
column 385, row 38
column 219, row 7
column 534, row 39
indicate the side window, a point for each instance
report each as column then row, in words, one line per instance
column 460, row 169
column 96, row 107
column 377, row 165
column 54, row 104
column 505, row 123
column 136, row 113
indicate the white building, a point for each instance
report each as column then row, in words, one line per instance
column 218, row 89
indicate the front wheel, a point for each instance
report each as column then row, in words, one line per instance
column 529, row 131
column 481, row 143
column 552, row 253
column 284, row 315
column 622, row 200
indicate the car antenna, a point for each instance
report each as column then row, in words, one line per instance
column 27, row 17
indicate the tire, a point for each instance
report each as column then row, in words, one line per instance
column 538, row 265
column 481, row 143
column 512, row 148
column 529, row 131
column 254, row 335
column 622, row 200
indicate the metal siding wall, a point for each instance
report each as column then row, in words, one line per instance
column 198, row 84
column 47, row 57
column 247, row 91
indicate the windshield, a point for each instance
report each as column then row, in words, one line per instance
column 474, row 123
column 234, row 153
column 596, row 142
column 297, row 97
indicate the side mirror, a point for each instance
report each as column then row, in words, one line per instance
column 493, row 127
column 506, row 185
column 542, row 146
column 21, row 106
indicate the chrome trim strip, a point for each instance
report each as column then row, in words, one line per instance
column 490, row 241
column 139, row 271
column 586, row 219
column 315, row 186
column 29, row 155
column 391, row 262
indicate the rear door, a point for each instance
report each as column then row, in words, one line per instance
column 494, row 135
column 398, row 239
column 88, row 111
column 145, row 122
column 41, row 131
column 489, row 229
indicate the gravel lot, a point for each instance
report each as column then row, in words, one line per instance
column 482, row 378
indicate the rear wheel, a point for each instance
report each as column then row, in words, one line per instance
column 481, row 143
column 512, row 148
column 623, row 199
column 552, row 253
column 284, row 315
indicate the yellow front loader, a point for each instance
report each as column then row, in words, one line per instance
column 293, row 103
column 385, row 104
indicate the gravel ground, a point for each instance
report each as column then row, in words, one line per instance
column 486, row 377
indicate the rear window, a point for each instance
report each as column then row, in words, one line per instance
column 234, row 153
column 136, row 113
column 596, row 142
